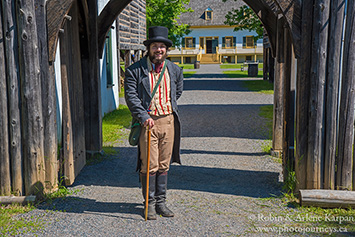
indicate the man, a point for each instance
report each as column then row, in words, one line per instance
column 160, row 113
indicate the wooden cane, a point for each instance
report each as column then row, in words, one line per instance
column 147, row 184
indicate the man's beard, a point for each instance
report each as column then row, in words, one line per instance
column 153, row 58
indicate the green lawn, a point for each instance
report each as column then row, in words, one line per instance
column 236, row 66
column 189, row 74
column 186, row 66
column 113, row 122
column 240, row 74
column 260, row 86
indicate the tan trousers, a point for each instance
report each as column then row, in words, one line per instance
column 161, row 144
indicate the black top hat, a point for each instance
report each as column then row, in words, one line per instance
column 158, row 34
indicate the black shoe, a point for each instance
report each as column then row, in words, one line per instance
column 163, row 210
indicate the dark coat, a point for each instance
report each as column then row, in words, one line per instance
column 138, row 97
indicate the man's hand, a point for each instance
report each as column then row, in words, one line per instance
column 149, row 122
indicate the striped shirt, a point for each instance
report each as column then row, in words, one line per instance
column 161, row 102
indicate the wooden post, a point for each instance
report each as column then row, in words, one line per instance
column 288, row 135
column 49, row 106
column 333, row 76
column 271, row 66
column 128, row 58
column 68, row 156
column 12, row 74
column 32, row 120
column 5, row 180
column 278, row 120
column 93, row 118
column 302, row 95
column 346, row 115
column 317, row 100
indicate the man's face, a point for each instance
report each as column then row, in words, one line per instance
column 157, row 52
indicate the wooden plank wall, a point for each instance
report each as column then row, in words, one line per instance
column 324, row 155
column 132, row 27
column 74, row 152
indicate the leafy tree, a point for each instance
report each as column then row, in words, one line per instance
column 165, row 13
column 245, row 18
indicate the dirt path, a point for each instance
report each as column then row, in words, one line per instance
column 223, row 186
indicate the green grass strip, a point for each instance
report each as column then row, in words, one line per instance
column 113, row 122
column 240, row 74
column 14, row 226
column 189, row 74
column 260, row 86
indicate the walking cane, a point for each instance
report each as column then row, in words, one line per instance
column 147, row 184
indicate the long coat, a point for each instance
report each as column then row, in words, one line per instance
column 138, row 97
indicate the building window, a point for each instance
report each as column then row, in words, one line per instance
column 248, row 42
column 202, row 43
column 189, row 42
column 248, row 58
column 208, row 14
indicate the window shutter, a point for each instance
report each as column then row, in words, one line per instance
column 109, row 64
column 183, row 42
column 223, row 42
column 234, row 41
column 244, row 41
column 193, row 42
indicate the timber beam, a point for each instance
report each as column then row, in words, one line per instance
column 267, row 16
column 106, row 18
column 291, row 10
column 56, row 13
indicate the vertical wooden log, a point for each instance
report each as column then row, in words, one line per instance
column 32, row 123
column 278, row 121
column 317, row 100
column 68, row 154
column 288, row 162
column 5, row 180
column 271, row 66
column 76, row 91
column 333, row 76
column 48, row 101
column 346, row 114
column 265, row 62
column 128, row 58
column 12, row 74
column 93, row 131
column 302, row 95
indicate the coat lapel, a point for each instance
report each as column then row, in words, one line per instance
column 145, row 79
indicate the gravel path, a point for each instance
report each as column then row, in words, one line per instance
column 224, row 183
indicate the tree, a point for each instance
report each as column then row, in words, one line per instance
column 245, row 18
column 165, row 13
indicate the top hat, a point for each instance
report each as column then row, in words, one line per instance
column 158, row 34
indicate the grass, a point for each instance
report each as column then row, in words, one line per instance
column 13, row 226
column 121, row 94
column 186, row 66
column 113, row 122
column 236, row 66
column 267, row 112
column 260, row 86
column 189, row 74
column 240, row 74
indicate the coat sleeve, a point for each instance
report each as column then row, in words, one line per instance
column 179, row 83
column 133, row 101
